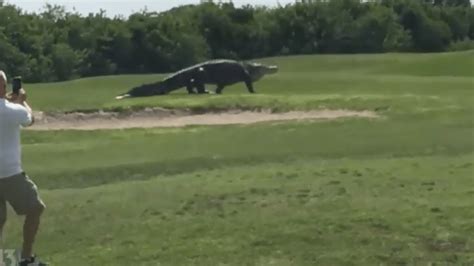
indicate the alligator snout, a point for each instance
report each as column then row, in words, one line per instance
column 272, row 69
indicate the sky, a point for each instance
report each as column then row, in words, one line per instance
column 124, row 7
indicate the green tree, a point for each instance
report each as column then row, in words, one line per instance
column 65, row 61
column 58, row 45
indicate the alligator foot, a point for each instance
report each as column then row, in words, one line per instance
column 204, row 92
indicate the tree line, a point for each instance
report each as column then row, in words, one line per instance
column 56, row 45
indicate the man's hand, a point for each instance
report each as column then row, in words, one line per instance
column 20, row 97
column 11, row 97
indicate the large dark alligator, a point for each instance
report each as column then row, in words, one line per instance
column 221, row 73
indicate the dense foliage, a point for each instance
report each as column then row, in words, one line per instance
column 59, row 45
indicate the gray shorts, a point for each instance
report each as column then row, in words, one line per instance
column 20, row 192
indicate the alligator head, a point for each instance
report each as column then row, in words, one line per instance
column 257, row 70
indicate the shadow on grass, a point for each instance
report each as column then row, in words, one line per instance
column 134, row 172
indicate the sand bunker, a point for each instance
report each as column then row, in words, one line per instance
column 152, row 118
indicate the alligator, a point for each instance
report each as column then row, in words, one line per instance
column 221, row 72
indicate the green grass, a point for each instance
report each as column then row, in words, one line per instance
column 396, row 190
column 324, row 212
column 104, row 156
column 303, row 83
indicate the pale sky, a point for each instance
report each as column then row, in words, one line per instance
column 123, row 7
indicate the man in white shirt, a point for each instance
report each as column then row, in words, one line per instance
column 16, row 188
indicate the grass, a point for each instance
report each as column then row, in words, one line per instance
column 324, row 212
column 118, row 155
column 390, row 191
column 304, row 82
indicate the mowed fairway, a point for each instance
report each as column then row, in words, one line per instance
column 395, row 190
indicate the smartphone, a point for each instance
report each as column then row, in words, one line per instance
column 16, row 85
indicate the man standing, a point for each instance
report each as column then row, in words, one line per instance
column 16, row 188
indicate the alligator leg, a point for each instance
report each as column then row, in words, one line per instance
column 190, row 87
column 201, row 88
column 248, row 82
column 219, row 88
column 250, row 86
column 199, row 81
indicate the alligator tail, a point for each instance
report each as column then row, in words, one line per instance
column 123, row 96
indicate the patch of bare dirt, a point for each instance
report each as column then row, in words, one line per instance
column 152, row 118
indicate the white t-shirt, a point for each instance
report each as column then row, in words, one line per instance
column 12, row 117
